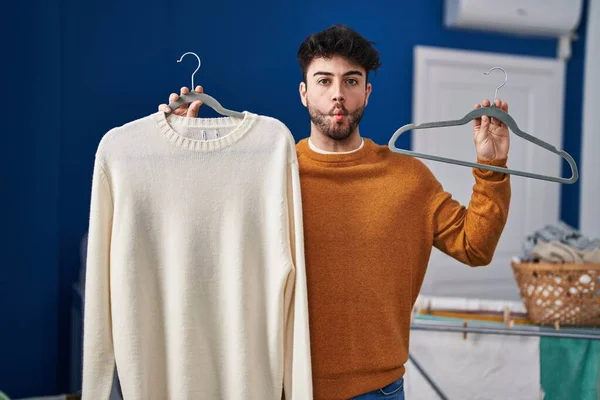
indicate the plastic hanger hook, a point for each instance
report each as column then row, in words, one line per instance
column 498, row 88
column 199, row 63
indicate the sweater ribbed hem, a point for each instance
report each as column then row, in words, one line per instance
column 167, row 125
column 350, row 386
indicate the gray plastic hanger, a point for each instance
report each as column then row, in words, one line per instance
column 206, row 99
column 494, row 112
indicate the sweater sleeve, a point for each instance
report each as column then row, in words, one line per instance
column 471, row 235
column 297, row 378
column 98, row 357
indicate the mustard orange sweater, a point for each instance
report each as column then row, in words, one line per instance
column 370, row 220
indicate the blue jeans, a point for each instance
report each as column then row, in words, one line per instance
column 393, row 391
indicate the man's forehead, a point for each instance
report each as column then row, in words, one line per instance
column 335, row 65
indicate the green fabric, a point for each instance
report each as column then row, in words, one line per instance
column 570, row 368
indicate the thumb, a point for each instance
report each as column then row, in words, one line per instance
column 192, row 111
column 485, row 123
column 476, row 121
column 479, row 135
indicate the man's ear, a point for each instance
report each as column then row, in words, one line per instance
column 302, row 91
column 368, row 89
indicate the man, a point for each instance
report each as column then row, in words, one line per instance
column 371, row 218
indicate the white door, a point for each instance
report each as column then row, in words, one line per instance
column 589, row 212
column 447, row 84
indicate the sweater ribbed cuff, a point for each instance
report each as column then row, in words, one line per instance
column 491, row 175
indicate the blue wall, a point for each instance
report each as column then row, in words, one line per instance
column 107, row 63
column 29, row 266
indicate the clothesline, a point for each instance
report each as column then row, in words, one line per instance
column 570, row 333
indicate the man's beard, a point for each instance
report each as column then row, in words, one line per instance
column 330, row 127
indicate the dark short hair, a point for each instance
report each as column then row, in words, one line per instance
column 342, row 41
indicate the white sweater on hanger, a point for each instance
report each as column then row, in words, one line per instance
column 195, row 281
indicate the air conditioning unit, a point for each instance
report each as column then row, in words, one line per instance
column 545, row 18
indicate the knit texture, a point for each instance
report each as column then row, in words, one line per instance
column 195, row 284
column 371, row 218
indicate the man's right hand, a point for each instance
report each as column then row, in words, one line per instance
column 184, row 110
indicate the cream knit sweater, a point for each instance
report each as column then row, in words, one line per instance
column 196, row 284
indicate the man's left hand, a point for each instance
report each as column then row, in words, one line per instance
column 491, row 136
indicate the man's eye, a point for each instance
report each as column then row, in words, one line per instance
column 323, row 81
column 352, row 81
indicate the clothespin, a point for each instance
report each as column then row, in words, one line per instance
column 557, row 325
column 508, row 322
column 465, row 333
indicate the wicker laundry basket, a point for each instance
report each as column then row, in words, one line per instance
column 560, row 294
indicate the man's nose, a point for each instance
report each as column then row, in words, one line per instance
column 338, row 95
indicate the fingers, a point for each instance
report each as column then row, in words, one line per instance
column 495, row 121
column 476, row 121
column 189, row 110
column 193, row 109
column 165, row 107
column 186, row 90
column 501, row 105
column 484, row 121
column 183, row 108
column 504, row 107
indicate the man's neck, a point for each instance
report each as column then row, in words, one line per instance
column 318, row 150
column 326, row 144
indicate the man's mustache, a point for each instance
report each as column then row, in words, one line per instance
column 338, row 107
